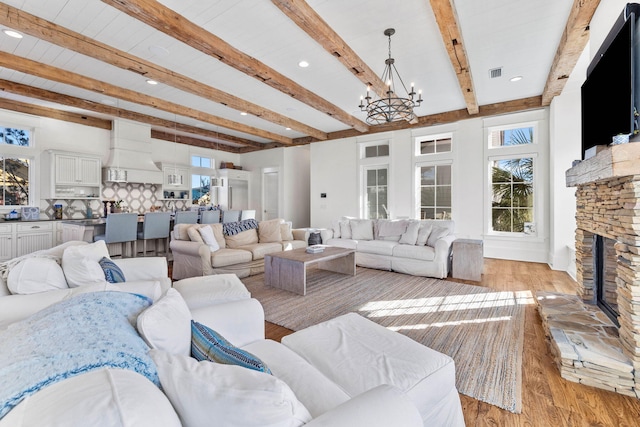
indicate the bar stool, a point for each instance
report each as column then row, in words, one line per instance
column 186, row 217
column 230, row 216
column 156, row 226
column 210, row 217
column 248, row 214
column 121, row 228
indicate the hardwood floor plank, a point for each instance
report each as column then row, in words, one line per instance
column 547, row 398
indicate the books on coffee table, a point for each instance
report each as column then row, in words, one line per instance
column 315, row 249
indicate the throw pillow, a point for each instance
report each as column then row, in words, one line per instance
column 209, row 239
column 269, row 231
column 230, row 395
column 361, row 229
column 345, row 229
column 423, row 233
column 436, row 234
column 335, row 226
column 112, row 272
column 194, row 234
column 410, row 236
column 244, row 238
column 166, row 325
column 286, row 233
column 34, row 275
column 80, row 263
column 207, row 344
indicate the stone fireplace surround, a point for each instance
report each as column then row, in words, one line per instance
column 587, row 346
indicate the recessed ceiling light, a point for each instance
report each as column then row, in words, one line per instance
column 243, row 113
column 152, row 82
column 287, row 128
column 303, row 64
column 14, row 34
column 515, row 79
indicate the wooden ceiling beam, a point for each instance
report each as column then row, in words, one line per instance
column 58, row 98
column 66, row 38
column 572, row 43
column 447, row 20
column 59, row 75
column 188, row 140
column 52, row 113
column 311, row 23
column 163, row 19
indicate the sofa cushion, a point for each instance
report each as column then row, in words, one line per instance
column 194, row 234
column 269, row 231
column 205, row 393
column 342, row 243
column 335, row 227
column 208, row 238
column 259, row 250
column 226, row 257
column 207, row 344
column 204, row 291
column 410, row 236
column 33, row 275
column 286, row 232
column 181, row 231
column 436, row 234
column 112, row 273
column 105, row 397
column 316, row 392
column 390, row 229
column 243, row 238
column 345, row 229
column 293, row 244
column 423, row 233
column 379, row 247
column 80, row 263
column 166, row 325
column 361, row 229
column 424, row 253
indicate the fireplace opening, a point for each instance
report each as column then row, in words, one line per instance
column 605, row 287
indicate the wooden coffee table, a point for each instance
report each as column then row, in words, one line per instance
column 288, row 269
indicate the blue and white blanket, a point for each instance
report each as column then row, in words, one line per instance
column 233, row 228
column 81, row 334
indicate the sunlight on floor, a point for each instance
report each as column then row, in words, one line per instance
column 449, row 303
column 453, row 323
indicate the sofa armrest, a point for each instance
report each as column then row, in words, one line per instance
column 144, row 268
column 443, row 247
column 300, row 234
column 190, row 259
column 382, row 406
column 240, row 322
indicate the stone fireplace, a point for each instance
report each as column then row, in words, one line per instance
column 589, row 347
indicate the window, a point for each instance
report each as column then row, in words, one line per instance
column 376, row 150
column 376, row 192
column 511, row 137
column 14, row 136
column 435, row 191
column 511, row 194
column 14, row 180
column 201, row 162
column 433, row 145
column 200, row 185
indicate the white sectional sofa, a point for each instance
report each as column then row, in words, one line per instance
column 307, row 386
column 416, row 247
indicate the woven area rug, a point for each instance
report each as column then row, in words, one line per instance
column 480, row 328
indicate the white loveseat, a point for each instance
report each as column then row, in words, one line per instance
column 416, row 247
column 300, row 392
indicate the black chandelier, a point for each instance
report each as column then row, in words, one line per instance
column 391, row 107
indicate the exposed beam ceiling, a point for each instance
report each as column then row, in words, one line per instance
column 166, row 20
column 23, row 107
column 452, row 38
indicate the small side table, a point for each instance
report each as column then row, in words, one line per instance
column 468, row 259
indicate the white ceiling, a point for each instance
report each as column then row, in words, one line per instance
column 521, row 36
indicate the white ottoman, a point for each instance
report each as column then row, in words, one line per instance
column 358, row 355
column 204, row 291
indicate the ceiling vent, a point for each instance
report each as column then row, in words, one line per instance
column 494, row 73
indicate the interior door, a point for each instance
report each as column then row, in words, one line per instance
column 270, row 194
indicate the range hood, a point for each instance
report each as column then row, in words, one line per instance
column 130, row 154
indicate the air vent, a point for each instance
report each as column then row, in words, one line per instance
column 494, row 73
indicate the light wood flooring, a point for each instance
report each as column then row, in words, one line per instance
column 547, row 399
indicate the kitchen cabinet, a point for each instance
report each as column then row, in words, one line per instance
column 6, row 242
column 21, row 238
column 70, row 175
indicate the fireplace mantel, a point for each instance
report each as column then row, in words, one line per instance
column 612, row 162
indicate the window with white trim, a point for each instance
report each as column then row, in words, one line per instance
column 376, row 190
column 16, row 166
column 435, row 191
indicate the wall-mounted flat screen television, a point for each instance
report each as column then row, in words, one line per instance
column 611, row 92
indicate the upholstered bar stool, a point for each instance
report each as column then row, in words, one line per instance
column 210, row 217
column 186, row 217
column 230, row 216
column 156, row 226
column 121, row 228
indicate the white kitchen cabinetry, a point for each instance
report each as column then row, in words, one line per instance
column 6, row 242
column 21, row 238
column 234, row 194
column 71, row 176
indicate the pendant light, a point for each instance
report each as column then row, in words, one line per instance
column 115, row 174
column 216, row 181
column 175, row 178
